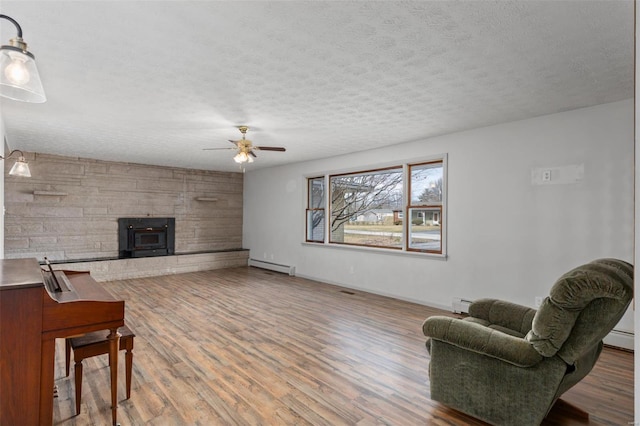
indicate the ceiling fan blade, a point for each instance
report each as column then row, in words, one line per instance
column 253, row 154
column 270, row 148
column 217, row 149
column 234, row 142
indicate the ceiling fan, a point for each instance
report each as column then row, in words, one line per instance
column 246, row 148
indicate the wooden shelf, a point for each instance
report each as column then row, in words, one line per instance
column 53, row 193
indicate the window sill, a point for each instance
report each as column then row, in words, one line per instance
column 435, row 256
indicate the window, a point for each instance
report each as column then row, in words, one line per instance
column 362, row 208
column 424, row 229
column 315, row 209
column 399, row 207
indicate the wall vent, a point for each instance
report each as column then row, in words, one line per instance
column 460, row 306
column 285, row 269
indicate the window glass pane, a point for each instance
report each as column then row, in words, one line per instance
column 426, row 184
column 315, row 225
column 315, row 209
column 316, row 193
column 425, row 229
column 365, row 208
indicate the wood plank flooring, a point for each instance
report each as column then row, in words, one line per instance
column 245, row 346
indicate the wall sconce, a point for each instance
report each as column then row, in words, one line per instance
column 19, row 78
column 21, row 167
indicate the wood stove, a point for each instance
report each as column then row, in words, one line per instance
column 146, row 236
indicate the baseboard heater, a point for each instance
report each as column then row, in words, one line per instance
column 285, row 269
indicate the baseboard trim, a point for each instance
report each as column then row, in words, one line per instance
column 620, row 339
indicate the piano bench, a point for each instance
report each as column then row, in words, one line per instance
column 94, row 344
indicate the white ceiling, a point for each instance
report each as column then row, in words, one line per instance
column 155, row 82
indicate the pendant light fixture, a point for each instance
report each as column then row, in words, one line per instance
column 21, row 167
column 19, row 78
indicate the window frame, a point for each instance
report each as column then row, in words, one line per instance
column 310, row 208
column 426, row 206
column 406, row 202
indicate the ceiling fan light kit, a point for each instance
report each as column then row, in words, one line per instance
column 246, row 149
column 19, row 78
column 242, row 157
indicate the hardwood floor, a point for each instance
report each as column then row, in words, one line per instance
column 245, row 346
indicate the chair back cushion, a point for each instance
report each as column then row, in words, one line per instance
column 582, row 308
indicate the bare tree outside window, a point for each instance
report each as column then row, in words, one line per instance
column 426, row 183
column 366, row 198
column 433, row 193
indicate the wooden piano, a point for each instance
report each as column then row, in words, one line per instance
column 31, row 318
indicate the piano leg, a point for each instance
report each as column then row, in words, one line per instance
column 114, row 340
column 47, row 362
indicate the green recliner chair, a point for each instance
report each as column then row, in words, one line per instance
column 507, row 364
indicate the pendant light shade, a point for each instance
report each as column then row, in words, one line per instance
column 19, row 78
column 21, row 167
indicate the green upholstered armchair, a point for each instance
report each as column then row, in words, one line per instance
column 507, row 364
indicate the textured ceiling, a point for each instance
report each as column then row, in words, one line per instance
column 155, row 82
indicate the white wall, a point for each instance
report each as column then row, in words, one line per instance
column 508, row 239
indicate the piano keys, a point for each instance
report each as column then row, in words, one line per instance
column 31, row 318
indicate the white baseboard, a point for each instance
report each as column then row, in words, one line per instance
column 620, row 339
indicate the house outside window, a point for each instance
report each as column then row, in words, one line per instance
column 424, row 230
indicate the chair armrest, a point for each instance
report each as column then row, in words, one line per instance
column 502, row 313
column 483, row 340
